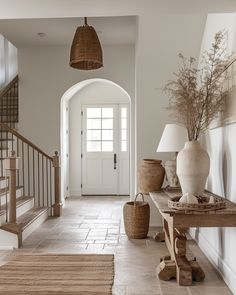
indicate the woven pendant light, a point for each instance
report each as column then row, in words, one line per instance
column 86, row 50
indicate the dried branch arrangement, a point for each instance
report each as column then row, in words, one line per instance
column 196, row 94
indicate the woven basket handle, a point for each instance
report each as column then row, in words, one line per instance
column 139, row 194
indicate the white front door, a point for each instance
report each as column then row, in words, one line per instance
column 105, row 151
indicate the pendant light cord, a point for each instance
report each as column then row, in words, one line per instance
column 85, row 21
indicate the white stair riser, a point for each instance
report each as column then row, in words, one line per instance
column 8, row 240
column 19, row 193
column 34, row 225
column 3, row 183
column 19, row 210
column 2, row 220
column 24, row 208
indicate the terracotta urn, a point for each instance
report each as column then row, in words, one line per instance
column 193, row 164
column 150, row 175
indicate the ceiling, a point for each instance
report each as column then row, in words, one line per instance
column 60, row 31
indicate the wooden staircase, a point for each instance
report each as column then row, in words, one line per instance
column 29, row 178
column 9, row 100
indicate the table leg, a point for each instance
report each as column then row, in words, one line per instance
column 178, row 265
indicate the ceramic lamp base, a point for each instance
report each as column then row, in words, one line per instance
column 172, row 178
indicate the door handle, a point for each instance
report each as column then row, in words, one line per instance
column 115, row 161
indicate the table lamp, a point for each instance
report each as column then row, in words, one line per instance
column 172, row 141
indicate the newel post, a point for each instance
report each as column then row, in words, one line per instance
column 11, row 166
column 58, row 205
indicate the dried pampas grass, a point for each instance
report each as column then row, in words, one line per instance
column 196, row 94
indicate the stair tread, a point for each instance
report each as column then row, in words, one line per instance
column 4, row 190
column 31, row 215
column 19, row 202
column 11, row 227
column 24, row 220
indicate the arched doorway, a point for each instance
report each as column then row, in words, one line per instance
column 102, row 96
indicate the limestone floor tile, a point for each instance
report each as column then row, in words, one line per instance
column 95, row 225
column 175, row 290
column 95, row 247
column 150, row 290
column 119, row 290
column 97, row 232
column 96, row 238
column 196, row 290
column 74, row 236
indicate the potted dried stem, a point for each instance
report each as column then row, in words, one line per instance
column 195, row 100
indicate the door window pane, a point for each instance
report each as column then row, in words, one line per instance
column 107, row 134
column 124, row 134
column 107, row 146
column 93, row 146
column 123, row 123
column 93, row 134
column 93, row 112
column 124, row 146
column 107, row 123
column 107, row 112
column 123, row 112
column 93, row 123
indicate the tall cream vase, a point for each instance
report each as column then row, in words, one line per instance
column 193, row 164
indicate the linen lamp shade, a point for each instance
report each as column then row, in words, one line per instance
column 172, row 139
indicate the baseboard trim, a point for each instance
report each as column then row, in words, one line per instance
column 3, row 248
column 75, row 193
column 225, row 271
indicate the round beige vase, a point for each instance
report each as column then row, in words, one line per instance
column 193, row 165
column 151, row 175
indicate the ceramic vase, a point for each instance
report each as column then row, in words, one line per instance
column 193, row 165
column 151, row 175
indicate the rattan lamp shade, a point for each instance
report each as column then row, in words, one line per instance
column 86, row 50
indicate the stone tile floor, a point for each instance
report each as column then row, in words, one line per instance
column 95, row 225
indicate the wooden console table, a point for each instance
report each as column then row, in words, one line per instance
column 175, row 225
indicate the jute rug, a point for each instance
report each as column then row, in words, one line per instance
column 58, row 274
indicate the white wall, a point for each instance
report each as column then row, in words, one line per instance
column 8, row 61
column 96, row 93
column 45, row 76
column 165, row 28
column 219, row 244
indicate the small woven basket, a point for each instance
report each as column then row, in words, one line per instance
column 136, row 218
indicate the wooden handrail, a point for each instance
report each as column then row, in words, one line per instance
column 8, row 86
column 25, row 140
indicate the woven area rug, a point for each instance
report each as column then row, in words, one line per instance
column 58, row 274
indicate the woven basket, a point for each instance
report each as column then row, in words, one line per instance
column 136, row 218
column 86, row 50
column 203, row 206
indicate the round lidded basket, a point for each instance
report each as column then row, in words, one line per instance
column 136, row 218
column 203, row 205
